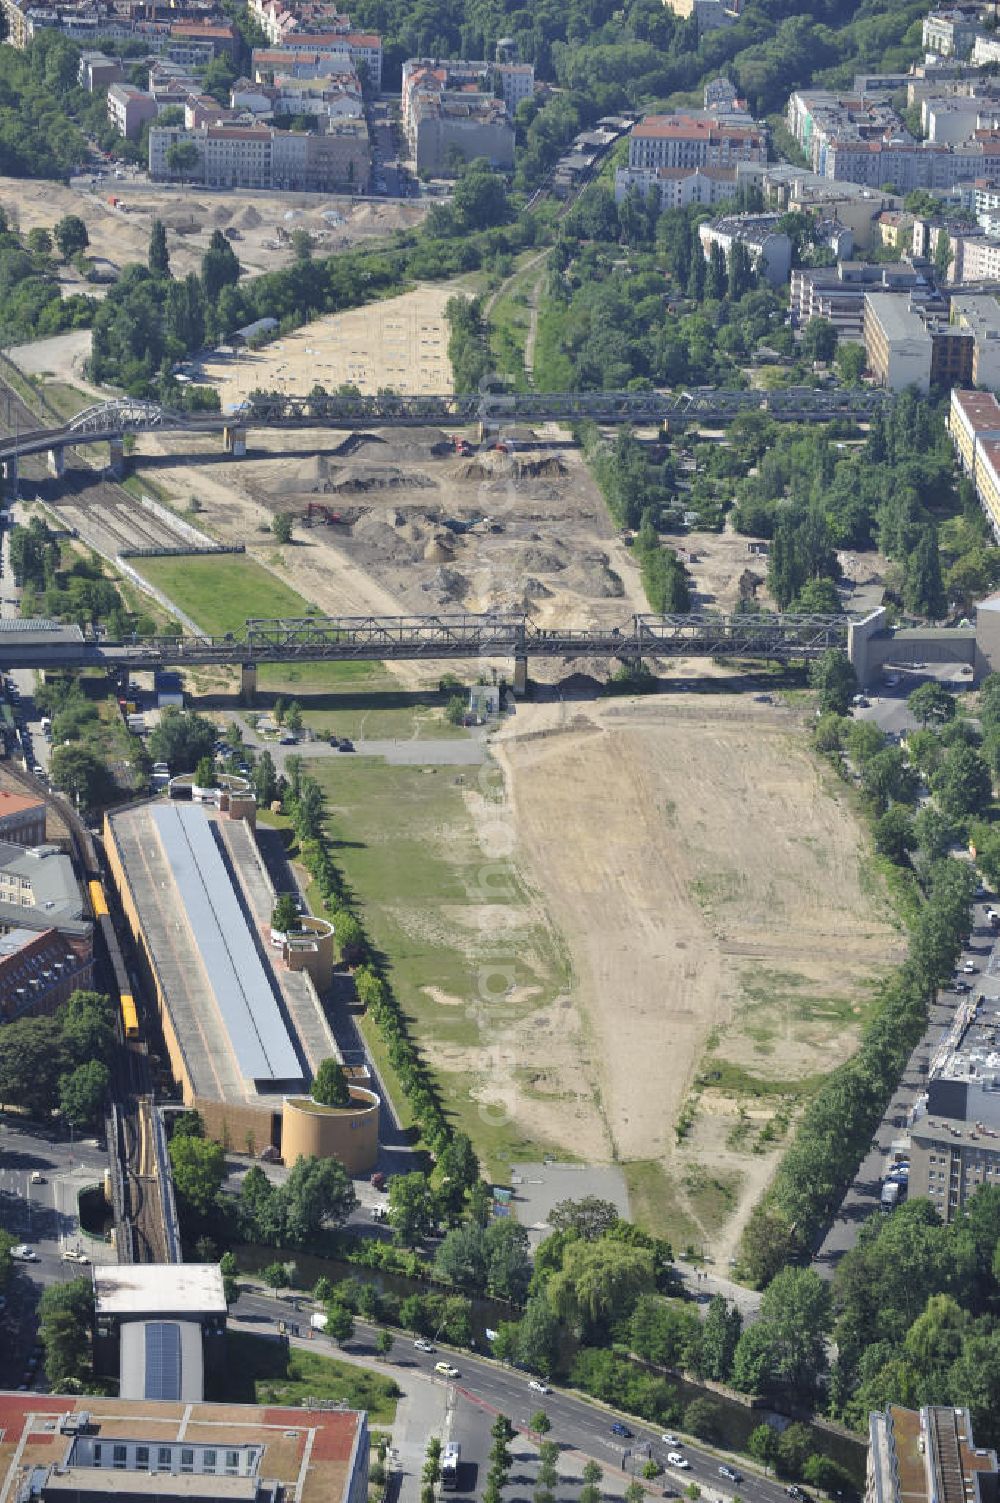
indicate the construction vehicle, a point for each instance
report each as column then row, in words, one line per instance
column 316, row 512
column 461, row 445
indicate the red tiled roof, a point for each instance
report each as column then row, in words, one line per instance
column 17, row 803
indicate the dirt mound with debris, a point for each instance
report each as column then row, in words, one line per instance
column 542, row 560
column 445, row 585
column 358, row 480
column 595, row 576
column 439, row 550
column 249, row 219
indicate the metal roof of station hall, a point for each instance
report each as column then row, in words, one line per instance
column 257, row 1031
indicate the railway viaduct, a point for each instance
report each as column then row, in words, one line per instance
column 112, row 422
column 778, row 638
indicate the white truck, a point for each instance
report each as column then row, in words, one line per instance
column 318, row 1321
column 890, row 1195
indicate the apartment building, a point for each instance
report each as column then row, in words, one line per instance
column 950, row 33
column 897, row 342
column 22, row 819
column 97, row 72
column 927, row 1456
column 276, row 18
column 675, row 187
column 694, row 141
column 769, row 248
column 837, row 293
column 260, row 157
column 861, row 139
column 327, row 98
column 516, row 82
column 129, row 109
column 39, row 970
column 449, row 108
column 955, row 1127
column 708, row 15
column 973, row 419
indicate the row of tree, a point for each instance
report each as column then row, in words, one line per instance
column 838, row 1122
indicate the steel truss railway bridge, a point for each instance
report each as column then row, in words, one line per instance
column 781, row 638
column 111, row 422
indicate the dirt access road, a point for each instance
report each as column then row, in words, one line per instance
column 704, row 872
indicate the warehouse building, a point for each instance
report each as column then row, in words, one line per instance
column 242, row 1017
column 58, row 1448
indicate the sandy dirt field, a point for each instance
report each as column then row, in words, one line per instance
column 709, row 890
column 546, row 544
column 401, row 343
column 263, row 222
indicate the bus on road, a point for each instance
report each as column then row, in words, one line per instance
column 451, row 1460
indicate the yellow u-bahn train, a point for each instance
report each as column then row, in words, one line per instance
column 126, row 1001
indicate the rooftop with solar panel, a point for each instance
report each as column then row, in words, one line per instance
column 158, row 1327
column 242, row 1010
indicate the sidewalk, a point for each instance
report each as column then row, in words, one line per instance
column 421, row 1410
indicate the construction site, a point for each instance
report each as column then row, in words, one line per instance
column 721, row 926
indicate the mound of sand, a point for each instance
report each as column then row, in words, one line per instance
column 445, row 585
column 358, row 479
column 438, row 550
column 542, row 561
column 249, row 219
column 595, row 577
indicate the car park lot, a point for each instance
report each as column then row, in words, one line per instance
column 977, row 970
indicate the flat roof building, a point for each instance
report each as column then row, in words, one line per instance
column 159, row 1327
column 955, row 1123
column 57, row 1448
column 242, row 1016
column 141, row 1291
column 927, row 1456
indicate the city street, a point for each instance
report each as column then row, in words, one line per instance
column 485, row 1388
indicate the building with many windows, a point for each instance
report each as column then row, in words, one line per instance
column 451, row 112
column 694, row 141
column 60, row 1448
column 927, row 1456
column 260, row 157
column 955, row 1126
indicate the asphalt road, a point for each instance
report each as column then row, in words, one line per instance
column 491, row 1388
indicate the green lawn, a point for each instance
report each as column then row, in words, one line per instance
column 221, row 593
column 262, row 1370
column 406, row 842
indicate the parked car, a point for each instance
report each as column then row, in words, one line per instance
column 674, row 1458
column 37, row 1177
column 730, row 1472
column 623, row 1430
column 537, row 1386
column 446, row 1369
column 671, row 1440
column 795, row 1492
column 24, row 1254
column 969, row 967
column 423, row 1345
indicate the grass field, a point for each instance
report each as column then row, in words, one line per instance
column 221, row 593
column 261, row 1370
column 408, row 848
